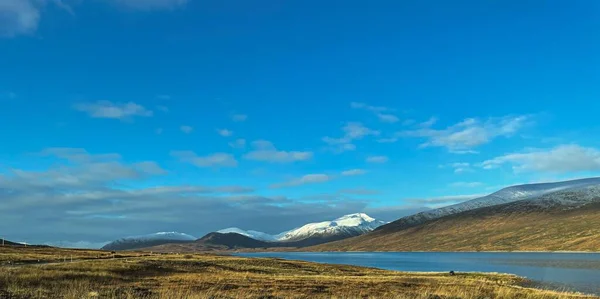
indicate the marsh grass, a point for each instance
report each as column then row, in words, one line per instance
column 198, row 276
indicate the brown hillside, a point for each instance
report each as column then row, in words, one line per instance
column 511, row 227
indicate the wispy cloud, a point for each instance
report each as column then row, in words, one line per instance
column 353, row 172
column 464, row 136
column 239, row 117
column 387, row 118
column 224, row 132
column 458, row 167
column 352, row 131
column 162, row 108
column 213, row 160
column 560, row 159
column 150, row 4
column 307, row 179
column 441, row 201
column 466, row 184
column 186, row 129
column 359, row 191
column 22, row 17
column 107, row 109
column 318, row 178
column 265, row 151
column 18, row 17
column 238, row 143
column 428, row 123
column 377, row 159
column 378, row 111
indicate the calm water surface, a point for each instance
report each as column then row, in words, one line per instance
column 564, row 271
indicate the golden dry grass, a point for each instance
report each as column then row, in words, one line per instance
column 576, row 230
column 211, row 276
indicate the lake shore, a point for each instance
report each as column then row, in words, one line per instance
column 97, row 274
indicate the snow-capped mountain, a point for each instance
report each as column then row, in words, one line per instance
column 143, row 241
column 348, row 225
column 506, row 195
column 343, row 227
column 249, row 233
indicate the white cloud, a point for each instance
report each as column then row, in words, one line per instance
column 459, row 167
column 238, row 143
column 307, row 179
column 428, row 123
column 18, row 17
column 560, row 159
column 149, row 4
column 359, row 191
column 107, row 109
column 265, row 151
column 22, row 17
column 387, row 118
column 388, row 140
column 213, row 160
column 186, row 129
column 239, row 117
column 358, row 105
column 378, row 111
column 466, row 184
column 377, row 159
column 442, row 201
column 224, row 132
column 352, row 131
column 462, row 137
column 353, row 172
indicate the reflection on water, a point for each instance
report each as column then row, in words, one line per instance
column 565, row 271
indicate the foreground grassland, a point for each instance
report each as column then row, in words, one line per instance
column 210, row 276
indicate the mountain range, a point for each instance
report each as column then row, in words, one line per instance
column 538, row 217
column 231, row 238
column 562, row 216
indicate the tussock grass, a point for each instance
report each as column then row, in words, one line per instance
column 210, row 276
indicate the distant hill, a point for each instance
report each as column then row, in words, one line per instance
column 144, row 241
column 567, row 219
column 307, row 235
column 10, row 243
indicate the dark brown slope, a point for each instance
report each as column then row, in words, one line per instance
column 233, row 241
column 568, row 221
column 9, row 243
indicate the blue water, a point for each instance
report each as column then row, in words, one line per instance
column 563, row 271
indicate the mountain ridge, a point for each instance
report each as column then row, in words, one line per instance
column 148, row 240
column 564, row 220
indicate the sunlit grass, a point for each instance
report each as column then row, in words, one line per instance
column 210, row 276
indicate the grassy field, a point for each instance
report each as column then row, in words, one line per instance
column 144, row 275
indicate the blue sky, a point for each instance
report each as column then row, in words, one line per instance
column 123, row 117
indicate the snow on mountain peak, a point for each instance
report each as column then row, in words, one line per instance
column 348, row 225
column 352, row 224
